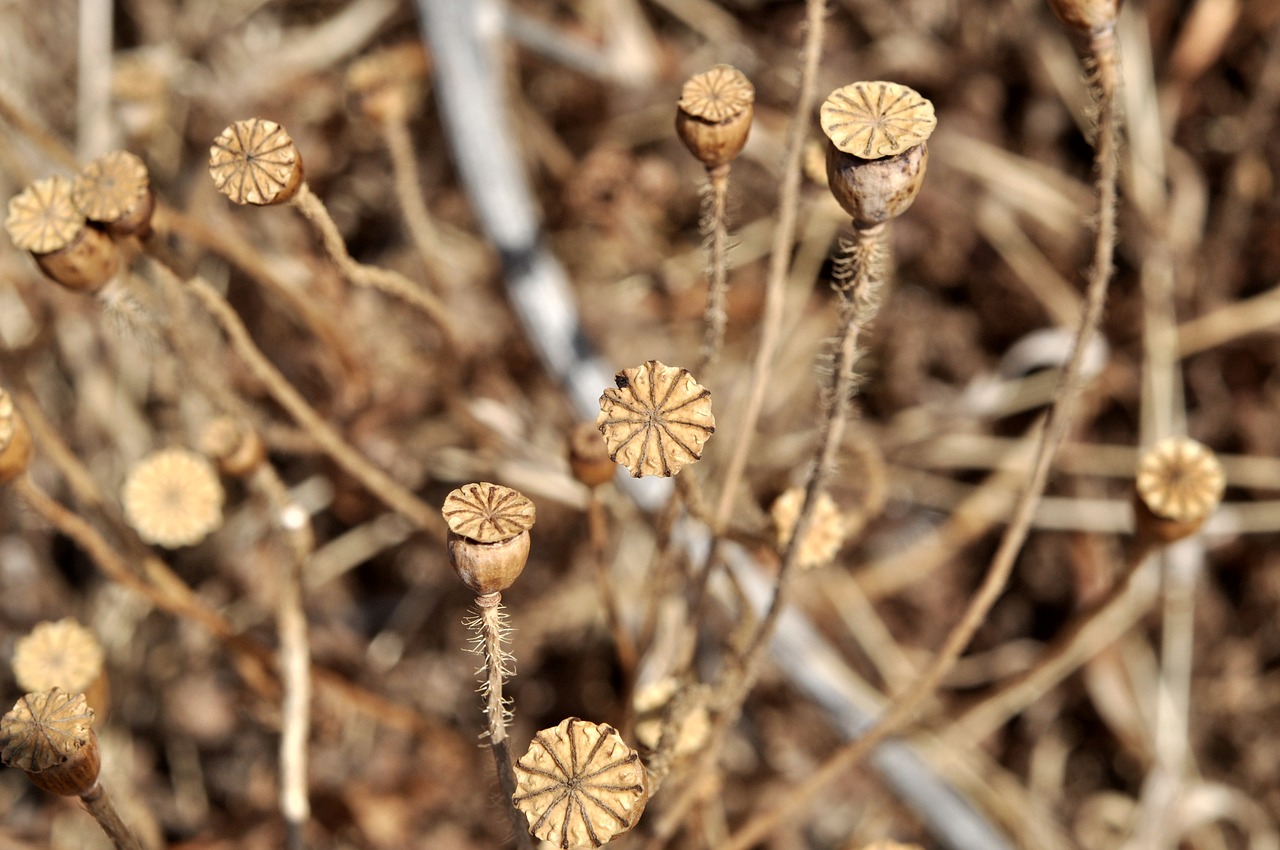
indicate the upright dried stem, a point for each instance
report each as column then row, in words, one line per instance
column 624, row 645
column 715, row 223
column 417, row 218
column 490, row 624
column 1055, row 429
column 104, row 812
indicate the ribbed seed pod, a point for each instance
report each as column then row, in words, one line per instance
column 255, row 162
column 877, row 153
column 44, row 220
column 49, row 735
column 173, row 498
column 657, row 419
column 488, row 538
column 1179, row 484
column 115, row 191
column 62, row 654
column 714, row 114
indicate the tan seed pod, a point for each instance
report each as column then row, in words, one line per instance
column 714, row 114
column 388, row 84
column 1087, row 16
column 657, row 419
column 826, row 531
column 44, row 220
column 15, row 440
column 1179, row 484
column 115, row 190
column 488, row 540
column 873, row 191
column 876, row 119
column 255, row 162
column 580, row 785
column 49, row 735
column 588, row 456
column 173, row 498
column 62, row 654
column 234, row 446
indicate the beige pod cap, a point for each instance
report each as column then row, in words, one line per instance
column 580, row 785
column 254, row 161
column 115, row 191
column 876, row 152
column 44, row 220
column 488, row 540
column 656, row 420
column 62, row 654
column 49, row 735
column 713, row 116
column 173, row 498
column 1178, row 484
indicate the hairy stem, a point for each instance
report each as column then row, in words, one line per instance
column 716, row 225
column 491, row 625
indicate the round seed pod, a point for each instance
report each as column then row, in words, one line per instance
column 173, row 498
column 1087, row 16
column 580, row 785
column 44, row 220
column 49, row 735
column 15, row 440
column 657, row 419
column 62, row 654
column 255, row 162
column 115, row 191
column 488, row 540
column 714, row 114
column 234, row 446
column 588, row 456
column 1178, row 485
column 876, row 155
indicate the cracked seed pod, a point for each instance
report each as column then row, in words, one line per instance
column 62, row 654
column 234, row 446
column 1087, row 16
column 1179, row 484
column 714, row 114
column 826, row 531
column 49, row 735
column 15, row 440
column 255, row 162
column 877, row 152
column 115, row 191
column 657, row 419
column 173, row 498
column 588, row 456
column 580, row 785
column 488, row 538
column 44, row 221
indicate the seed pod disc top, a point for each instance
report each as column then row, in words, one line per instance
column 876, row 119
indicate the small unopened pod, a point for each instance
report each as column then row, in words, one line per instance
column 488, row 538
column 49, row 735
column 876, row 152
column 1178, row 485
column 714, row 114
column 44, row 220
column 115, row 191
column 15, row 440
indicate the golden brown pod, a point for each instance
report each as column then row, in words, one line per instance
column 1179, row 484
column 49, row 735
column 15, row 440
column 115, row 191
column 657, row 419
column 588, row 456
column 62, row 654
column 173, row 498
column 714, row 113
column 234, row 446
column 488, row 540
column 44, row 220
column 255, row 162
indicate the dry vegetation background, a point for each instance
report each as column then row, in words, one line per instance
column 988, row 272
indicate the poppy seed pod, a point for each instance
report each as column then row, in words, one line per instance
column 44, row 220
column 714, row 114
column 873, row 191
column 488, row 540
column 49, row 735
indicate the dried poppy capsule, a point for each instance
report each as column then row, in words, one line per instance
column 115, row 191
column 588, row 456
column 233, row 446
column 1087, row 16
column 652, row 702
column 173, row 498
column 714, row 114
column 1179, row 484
column 826, row 530
column 656, row 420
column 15, row 440
column 44, row 220
column 580, row 785
column 388, row 84
column 876, row 156
column 488, row 538
column 255, row 162
column 62, row 654
column 49, row 735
